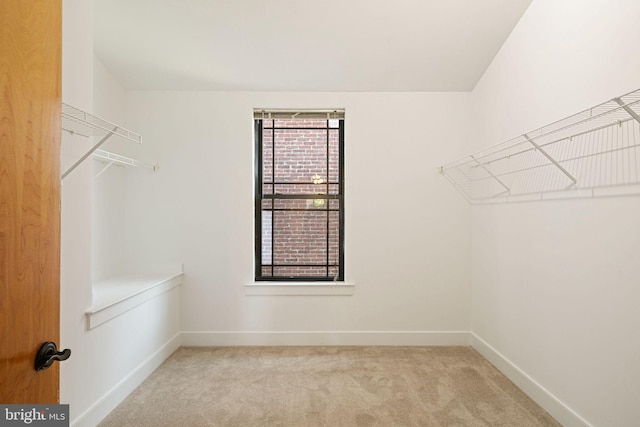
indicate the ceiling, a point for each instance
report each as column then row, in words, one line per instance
column 302, row 45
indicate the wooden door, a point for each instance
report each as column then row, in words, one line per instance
column 30, row 108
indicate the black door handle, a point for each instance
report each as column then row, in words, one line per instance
column 48, row 354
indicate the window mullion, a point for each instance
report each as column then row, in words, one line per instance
column 258, row 198
column 273, row 201
column 327, row 200
column 341, row 199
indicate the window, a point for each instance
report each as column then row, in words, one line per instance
column 299, row 195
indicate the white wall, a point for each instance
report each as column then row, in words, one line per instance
column 407, row 234
column 555, row 284
column 111, row 360
column 109, row 188
column 75, row 281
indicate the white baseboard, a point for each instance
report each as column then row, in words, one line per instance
column 99, row 410
column 554, row 406
column 272, row 338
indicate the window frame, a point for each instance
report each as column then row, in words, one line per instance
column 259, row 197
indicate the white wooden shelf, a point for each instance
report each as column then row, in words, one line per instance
column 582, row 155
column 119, row 294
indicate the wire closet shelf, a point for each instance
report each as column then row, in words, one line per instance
column 79, row 122
column 589, row 154
column 111, row 159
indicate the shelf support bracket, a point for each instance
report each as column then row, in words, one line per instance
column 88, row 153
column 103, row 170
column 626, row 108
column 552, row 160
column 507, row 189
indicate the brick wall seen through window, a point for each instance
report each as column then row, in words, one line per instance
column 299, row 199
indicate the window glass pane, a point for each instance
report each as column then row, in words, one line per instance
column 267, row 189
column 300, row 237
column 334, row 237
column 300, row 271
column 288, row 123
column 301, row 188
column 334, row 156
column 267, row 156
column 267, row 253
column 301, row 204
column 300, row 155
column 266, row 271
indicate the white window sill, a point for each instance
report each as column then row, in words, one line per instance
column 299, row 288
column 117, row 295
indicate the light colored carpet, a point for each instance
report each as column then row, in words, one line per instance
column 327, row 386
